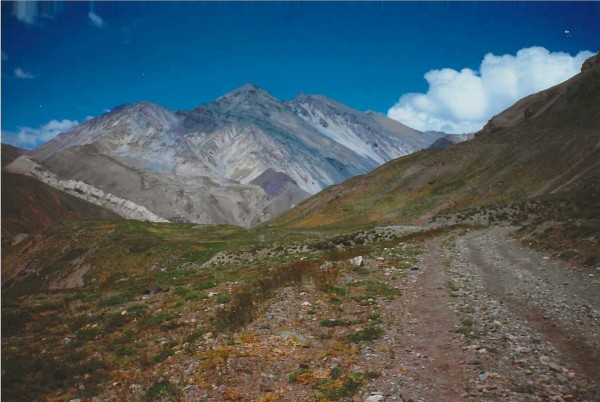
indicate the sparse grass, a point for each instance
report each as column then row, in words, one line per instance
column 223, row 299
column 163, row 355
column 117, row 299
column 452, row 287
column 368, row 334
column 374, row 288
column 338, row 323
column 303, row 376
column 467, row 329
column 159, row 319
column 343, row 386
column 335, row 289
column 125, row 351
column 163, row 390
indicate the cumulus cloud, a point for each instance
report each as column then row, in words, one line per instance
column 96, row 19
column 29, row 138
column 463, row 101
column 22, row 74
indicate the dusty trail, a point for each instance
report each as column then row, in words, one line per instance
column 430, row 343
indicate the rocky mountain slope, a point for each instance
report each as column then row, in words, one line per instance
column 199, row 165
column 547, row 144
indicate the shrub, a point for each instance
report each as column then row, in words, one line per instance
column 223, row 299
column 125, row 351
column 156, row 320
column 162, row 356
column 117, row 299
column 163, row 390
column 367, row 334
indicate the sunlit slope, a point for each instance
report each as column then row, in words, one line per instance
column 547, row 143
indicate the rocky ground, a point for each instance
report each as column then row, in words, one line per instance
column 532, row 324
column 438, row 315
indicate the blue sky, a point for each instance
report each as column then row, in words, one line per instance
column 73, row 60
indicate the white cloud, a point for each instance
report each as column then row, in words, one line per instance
column 22, row 74
column 4, row 56
column 29, row 138
column 463, row 101
column 26, row 11
column 96, row 19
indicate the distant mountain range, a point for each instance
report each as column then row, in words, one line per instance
column 545, row 145
column 242, row 159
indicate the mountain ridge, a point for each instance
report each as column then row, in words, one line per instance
column 202, row 161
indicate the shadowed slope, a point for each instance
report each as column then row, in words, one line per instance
column 28, row 205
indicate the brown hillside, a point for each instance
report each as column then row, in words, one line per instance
column 28, row 205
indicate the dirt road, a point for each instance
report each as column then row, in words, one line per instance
column 533, row 324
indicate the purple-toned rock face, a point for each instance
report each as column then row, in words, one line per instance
column 273, row 182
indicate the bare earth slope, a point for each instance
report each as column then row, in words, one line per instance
column 547, row 144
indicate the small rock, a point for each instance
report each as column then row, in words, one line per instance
column 406, row 398
column 374, row 398
column 156, row 289
column 554, row 366
column 357, row 261
column 19, row 238
column 414, row 268
column 561, row 378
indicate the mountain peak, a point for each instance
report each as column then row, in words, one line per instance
column 249, row 89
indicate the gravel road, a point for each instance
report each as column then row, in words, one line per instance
column 531, row 324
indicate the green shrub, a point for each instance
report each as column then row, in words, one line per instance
column 223, row 299
column 206, row 285
column 163, row 390
column 156, row 320
column 367, row 334
column 125, row 351
column 162, row 356
column 117, row 299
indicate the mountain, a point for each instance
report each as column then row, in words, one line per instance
column 547, row 144
column 199, row 165
column 450, row 139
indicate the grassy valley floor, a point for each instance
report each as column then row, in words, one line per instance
column 180, row 312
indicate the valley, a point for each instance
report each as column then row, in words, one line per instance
column 425, row 313
column 465, row 273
